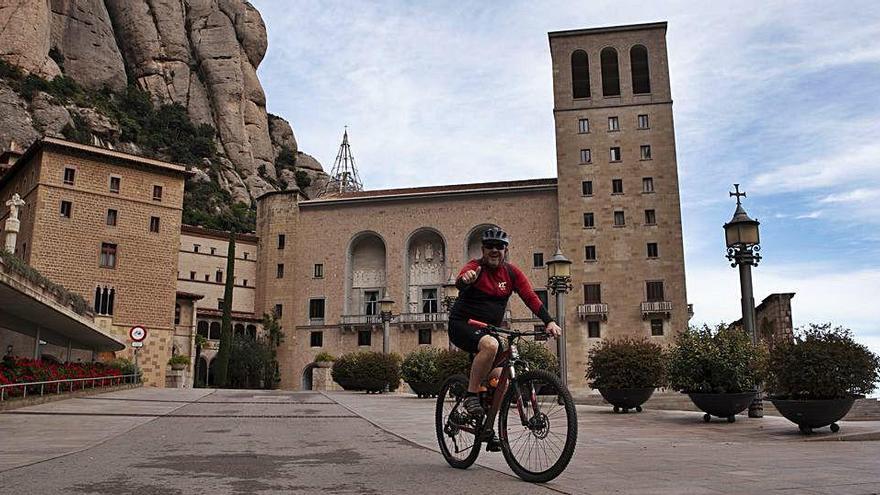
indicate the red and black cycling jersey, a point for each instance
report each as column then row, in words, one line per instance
column 486, row 298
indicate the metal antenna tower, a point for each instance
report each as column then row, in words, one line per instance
column 344, row 176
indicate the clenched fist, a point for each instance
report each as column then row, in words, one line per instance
column 470, row 276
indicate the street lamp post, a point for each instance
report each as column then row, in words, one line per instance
column 559, row 283
column 743, row 250
column 386, row 304
column 450, row 295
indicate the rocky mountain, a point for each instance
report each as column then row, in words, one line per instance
column 199, row 54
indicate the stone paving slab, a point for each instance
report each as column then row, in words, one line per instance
column 662, row 452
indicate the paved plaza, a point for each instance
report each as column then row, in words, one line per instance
column 145, row 441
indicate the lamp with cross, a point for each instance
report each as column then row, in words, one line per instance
column 743, row 250
column 559, row 283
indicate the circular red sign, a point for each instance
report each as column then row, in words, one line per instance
column 137, row 333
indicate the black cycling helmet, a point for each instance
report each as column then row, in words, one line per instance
column 494, row 234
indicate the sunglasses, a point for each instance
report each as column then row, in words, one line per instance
column 498, row 246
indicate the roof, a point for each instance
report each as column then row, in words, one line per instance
column 608, row 29
column 236, row 315
column 222, row 235
column 428, row 191
column 94, row 151
column 189, row 295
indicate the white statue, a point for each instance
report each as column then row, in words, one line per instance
column 14, row 204
column 429, row 252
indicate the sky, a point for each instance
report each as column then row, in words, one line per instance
column 781, row 97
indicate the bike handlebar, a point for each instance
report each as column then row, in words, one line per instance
column 493, row 329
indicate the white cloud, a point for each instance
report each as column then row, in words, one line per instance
column 854, row 196
column 810, row 215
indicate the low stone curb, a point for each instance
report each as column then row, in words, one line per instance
column 19, row 402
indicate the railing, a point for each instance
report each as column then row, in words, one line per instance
column 423, row 317
column 593, row 309
column 360, row 320
column 656, row 307
column 60, row 385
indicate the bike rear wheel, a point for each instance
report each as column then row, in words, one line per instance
column 460, row 447
column 540, row 449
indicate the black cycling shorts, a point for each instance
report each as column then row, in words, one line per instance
column 464, row 336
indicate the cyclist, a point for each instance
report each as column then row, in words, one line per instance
column 485, row 285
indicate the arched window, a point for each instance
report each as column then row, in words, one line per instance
column 203, row 329
column 610, row 73
column 215, row 331
column 638, row 59
column 580, row 75
column 252, row 331
column 239, row 329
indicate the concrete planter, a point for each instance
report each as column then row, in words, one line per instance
column 323, row 364
column 178, row 366
column 722, row 405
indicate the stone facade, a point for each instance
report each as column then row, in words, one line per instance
column 623, row 265
column 67, row 248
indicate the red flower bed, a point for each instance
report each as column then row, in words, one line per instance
column 21, row 370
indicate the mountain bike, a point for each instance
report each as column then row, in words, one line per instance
column 537, row 420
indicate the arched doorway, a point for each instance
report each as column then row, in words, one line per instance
column 306, row 382
column 200, row 379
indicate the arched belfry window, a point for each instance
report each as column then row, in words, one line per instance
column 610, row 72
column 638, row 59
column 580, row 75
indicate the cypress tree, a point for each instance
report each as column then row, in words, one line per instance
column 220, row 377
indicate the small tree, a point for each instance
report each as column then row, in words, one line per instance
column 226, row 328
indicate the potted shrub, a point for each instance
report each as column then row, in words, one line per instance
column 419, row 371
column 179, row 362
column 537, row 356
column 626, row 371
column 365, row 370
column 814, row 378
column 452, row 363
column 719, row 369
column 324, row 359
column 345, row 371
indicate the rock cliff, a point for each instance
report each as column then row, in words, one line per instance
column 200, row 54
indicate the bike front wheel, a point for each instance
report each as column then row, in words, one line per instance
column 455, row 428
column 537, row 424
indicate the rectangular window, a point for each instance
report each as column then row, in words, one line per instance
column 371, row 302
column 245, row 254
column 279, row 310
column 619, row 219
column 647, row 184
column 218, row 276
column 538, row 260
column 154, row 224
column 424, row 336
column 213, row 250
column 429, row 300
column 650, row 217
column 316, row 339
column 587, row 187
column 316, row 309
column 657, row 327
column 592, row 294
column 279, row 270
column 652, row 250
column 613, row 124
column 365, row 337
column 192, row 275
column 244, row 283
column 196, row 248
column 108, row 255
column 589, row 221
column 615, row 154
column 220, row 303
column 207, row 278
column 645, row 152
column 583, row 126
column 114, row 184
column 319, row 270
column 69, row 175
column 643, row 121
column 104, row 299
column 589, row 253
column 111, row 217
column 542, row 295
column 617, row 186
column 586, row 156
column 593, row 329
column 157, row 193
column 281, row 240
column 66, row 209
column 654, row 291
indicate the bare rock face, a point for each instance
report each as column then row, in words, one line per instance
column 25, row 36
column 15, row 120
column 49, row 118
column 82, row 34
column 308, row 162
column 281, row 134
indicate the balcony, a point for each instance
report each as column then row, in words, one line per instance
column 414, row 321
column 656, row 308
column 359, row 322
column 594, row 311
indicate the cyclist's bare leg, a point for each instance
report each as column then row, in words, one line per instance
column 482, row 362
